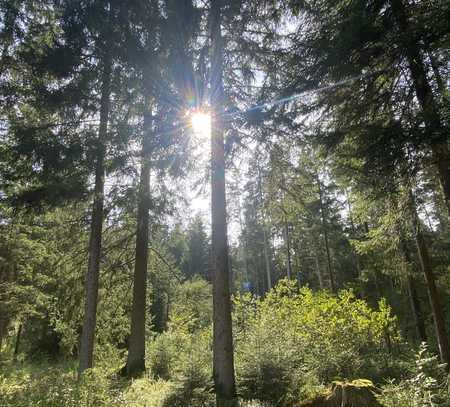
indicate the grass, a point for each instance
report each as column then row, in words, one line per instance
column 54, row 384
column 49, row 384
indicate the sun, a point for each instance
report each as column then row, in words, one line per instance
column 201, row 124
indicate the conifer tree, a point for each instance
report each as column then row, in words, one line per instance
column 223, row 359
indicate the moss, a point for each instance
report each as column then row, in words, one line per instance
column 358, row 393
column 356, row 383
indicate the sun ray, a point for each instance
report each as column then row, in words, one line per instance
column 201, row 124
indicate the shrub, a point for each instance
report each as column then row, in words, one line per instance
column 427, row 386
column 293, row 340
column 183, row 354
column 55, row 386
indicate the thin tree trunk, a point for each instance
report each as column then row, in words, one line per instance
column 267, row 258
column 325, row 235
column 258, row 290
column 17, row 344
column 3, row 328
column 244, row 242
column 318, row 272
column 427, row 269
column 136, row 350
column 297, row 262
column 416, row 311
column 95, row 241
column 353, row 228
column 437, row 133
column 257, row 267
column 223, row 358
column 416, row 308
column 288, row 249
column 265, row 241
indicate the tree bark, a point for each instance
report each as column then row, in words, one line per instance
column 223, row 358
column 95, row 241
column 427, row 269
column 318, row 272
column 297, row 262
column 256, row 260
column 438, row 134
column 136, row 351
column 416, row 308
column 17, row 344
column 325, row 235
column 267, row 258
column 265, row 241
column 416, row 311
column 244, row 243
column 353, row 229
column 288, row 249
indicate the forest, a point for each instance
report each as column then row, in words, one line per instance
column 224, row 203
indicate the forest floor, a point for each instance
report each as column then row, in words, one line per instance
column 54, row 384
column 289, row 347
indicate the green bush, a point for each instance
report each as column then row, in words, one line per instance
column 183, row 353
column 428, row 385
column 186, row 360
column 191, row 306
column 42, row 385
column 287, row 345
column 56, row 386
column 294, row 339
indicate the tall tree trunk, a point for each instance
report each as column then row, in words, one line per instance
column 353, row 228
column 297, row 262
column 95, row 241
column 136, row 350
column 416, row 308
column 318, row 271
column 438, row 134
column 259, row 291
column 244, row 242
column 288, row 249
column 17, row 343
column 265, row 240
column 4, row 321
column 223, row 358
column 267, row 258
column 257, row 267
column 427, row 269
column 325, row 235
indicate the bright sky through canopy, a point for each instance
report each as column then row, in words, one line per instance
column 201, row 124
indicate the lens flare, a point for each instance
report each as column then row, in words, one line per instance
column 201, row 124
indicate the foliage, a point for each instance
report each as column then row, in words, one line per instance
column 428, row 384
column 48, row 385
column 56, row 385
column 182, row 353
column 296, row 339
